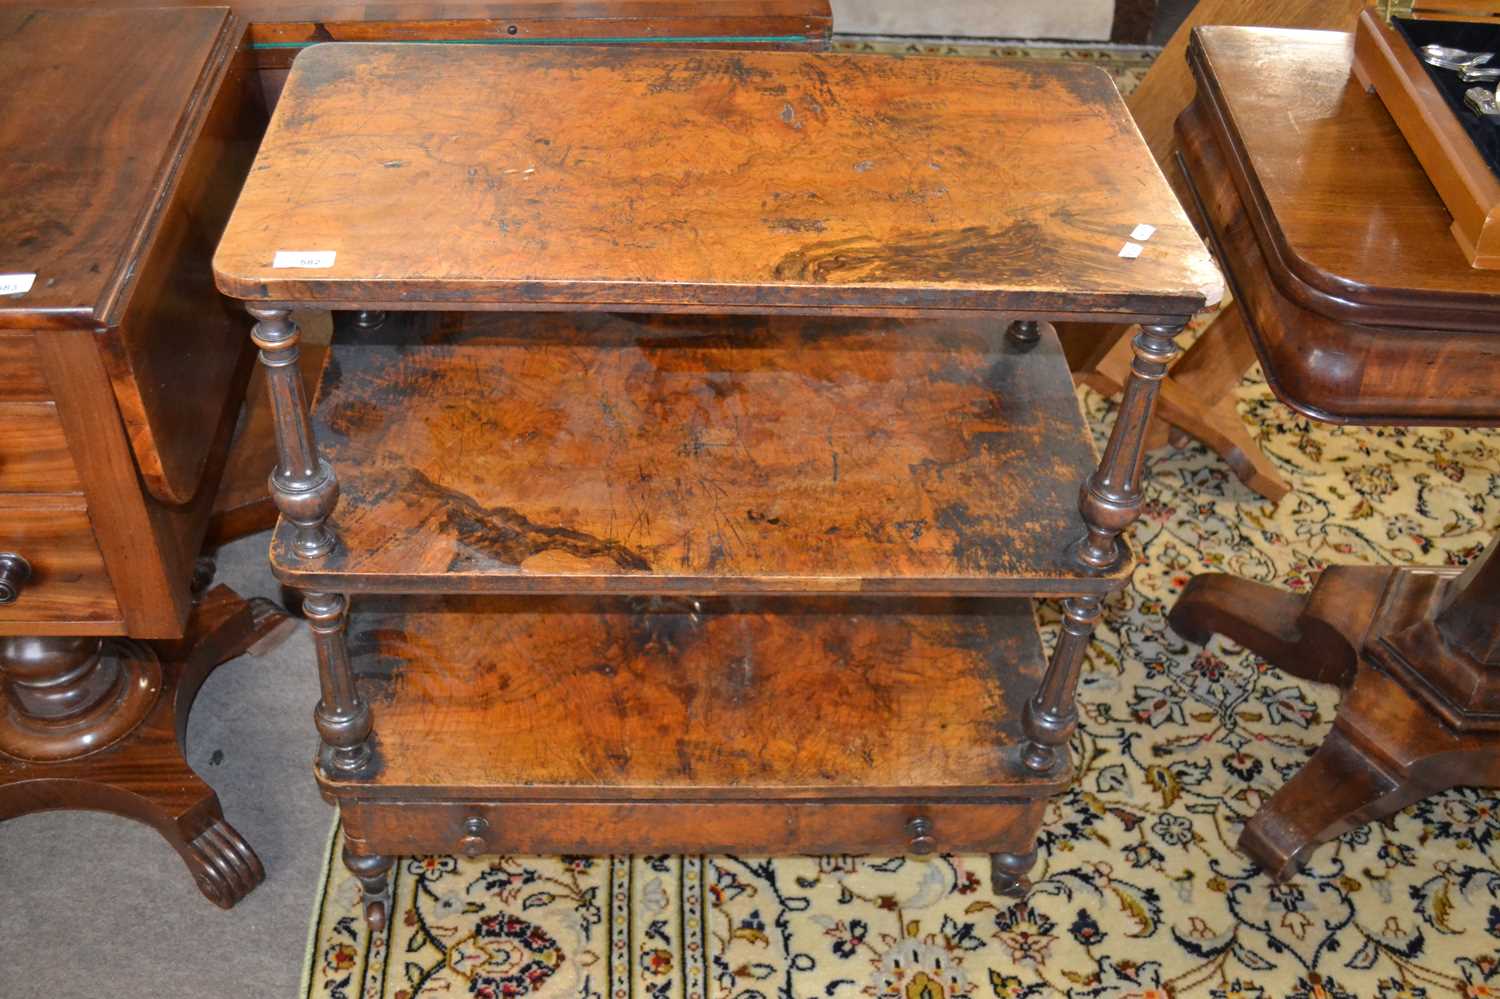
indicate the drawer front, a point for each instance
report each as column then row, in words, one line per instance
column 21, row 377
column 595, row 828
column 69, row 590
column 34, row 455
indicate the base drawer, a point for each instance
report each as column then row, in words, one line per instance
column 597, row 828
column 69, row 591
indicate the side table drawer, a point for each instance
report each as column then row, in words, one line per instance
column 34, row 455
column 69, row 591
column 594, row 828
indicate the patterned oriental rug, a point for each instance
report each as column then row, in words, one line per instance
column 1139, row 891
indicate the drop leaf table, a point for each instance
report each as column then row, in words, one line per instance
column 694, row 437
column 125, row 135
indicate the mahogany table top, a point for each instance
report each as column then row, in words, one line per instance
column 91, row 153
column 605, row 178
column 1340, row 203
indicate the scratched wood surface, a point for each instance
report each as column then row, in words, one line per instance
column 512, row 697
column 604, row 453
column 596, row 178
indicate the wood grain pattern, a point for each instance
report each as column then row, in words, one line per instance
column 754, row 828
column 1349, row 224
column 150, row 547
column 130, row 350
column 34, row 456
column 21, row 378
column 1330, row 369
column 75, row 220
column 118, row 193
column 1168, row 87
column 145, row 776
column 69, row 592
column 605, row 453
column 279, row 27
column 1197, row 396
column 505, row 698
column 176, row 331
column 278, row 23
column 707, row 180
column 1385, row 63
column 1419, row 648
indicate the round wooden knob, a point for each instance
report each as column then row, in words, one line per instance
column 922, row 842
column 473, row 843
column 14, row 572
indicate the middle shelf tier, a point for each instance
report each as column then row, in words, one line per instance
column 608, row 454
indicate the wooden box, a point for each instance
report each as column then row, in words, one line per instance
column 1386, row 63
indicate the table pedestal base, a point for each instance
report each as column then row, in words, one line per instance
column 144, row 774
column 1396, row 738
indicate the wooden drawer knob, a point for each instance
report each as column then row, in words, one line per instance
column 473, row 842
column 922, row 842
column 14, row 572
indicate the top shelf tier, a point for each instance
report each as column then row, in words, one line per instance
column 709, row 181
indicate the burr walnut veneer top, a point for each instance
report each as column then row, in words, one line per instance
column 602, row 178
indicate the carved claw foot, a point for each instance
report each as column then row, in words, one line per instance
column 371, row 870
column 223, row 864
column 1008, row 873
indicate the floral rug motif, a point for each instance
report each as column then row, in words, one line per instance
column 1139, row 891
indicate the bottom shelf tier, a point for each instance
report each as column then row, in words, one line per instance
column 583, row 725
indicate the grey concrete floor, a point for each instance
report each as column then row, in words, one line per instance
column 93, row 905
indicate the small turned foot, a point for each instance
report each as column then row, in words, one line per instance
column 1008, row 873
column 223, row 865
column 371, row 869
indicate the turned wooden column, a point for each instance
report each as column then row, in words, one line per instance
column 1110, row 501
column 68, row 697
column 303, row 485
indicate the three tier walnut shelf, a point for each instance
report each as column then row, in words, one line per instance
column 694, row 438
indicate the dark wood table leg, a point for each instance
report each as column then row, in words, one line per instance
column 99, row 724
column 1110, row 501
column 1419, row 653
column 1197, row 397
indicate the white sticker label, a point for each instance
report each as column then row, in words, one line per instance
column 1142, row 232
column 308, row 259
column 1131, row 250
column 16, row 284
